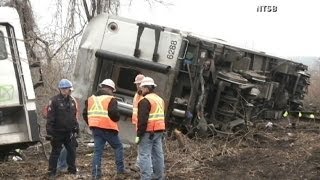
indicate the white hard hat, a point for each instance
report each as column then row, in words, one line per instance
column 147, row 81
column 138, row 78
column 108, row 82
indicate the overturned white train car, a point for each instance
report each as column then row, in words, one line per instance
column 207, row 84
column 18, row 119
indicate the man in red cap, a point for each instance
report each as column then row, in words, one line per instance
column 137, row 97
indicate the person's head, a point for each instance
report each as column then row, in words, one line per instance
column 137, row 82
column 108, row 85
column 65, row 87
column 147, row 85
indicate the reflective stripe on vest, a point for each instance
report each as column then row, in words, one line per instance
column 156, row 116
column 135, row 103
column 98, row 112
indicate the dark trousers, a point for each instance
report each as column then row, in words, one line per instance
column 69, row 143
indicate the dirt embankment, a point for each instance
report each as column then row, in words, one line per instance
column 262, row 153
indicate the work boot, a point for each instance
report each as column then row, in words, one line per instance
column 51, row 175
column 135, row 168
column 76, row 175
column 63, row 170
column 123, row 174
column 72, row 172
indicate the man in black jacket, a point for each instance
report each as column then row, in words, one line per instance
column 61, row 127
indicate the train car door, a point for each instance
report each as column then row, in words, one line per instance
column 9, row 90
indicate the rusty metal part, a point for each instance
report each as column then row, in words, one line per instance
column 232, row 77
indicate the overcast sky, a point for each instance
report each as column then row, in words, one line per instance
column 294, row 30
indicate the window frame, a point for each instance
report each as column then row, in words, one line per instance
column 2, row 39
column 122, row 89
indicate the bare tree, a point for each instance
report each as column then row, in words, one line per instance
column 56, row 49
column 27, row 24
column 100, row 6
column 111, row 6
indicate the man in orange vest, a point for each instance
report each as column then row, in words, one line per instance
column 150, row 132
column 101, row 113
column 137, row 97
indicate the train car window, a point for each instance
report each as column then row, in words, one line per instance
column 126, row 78
column 3, row 50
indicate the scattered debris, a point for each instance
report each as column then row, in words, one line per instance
column 269, row 125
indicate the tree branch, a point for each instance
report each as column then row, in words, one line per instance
column 99, row 7
column 46, row 48
column 89, row 17
column 94, row 7
column 66, row 41
column 163, row 2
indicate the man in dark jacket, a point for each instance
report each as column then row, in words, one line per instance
column 61, row 127
column 101, row 114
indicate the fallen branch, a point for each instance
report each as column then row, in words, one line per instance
column 181, row 139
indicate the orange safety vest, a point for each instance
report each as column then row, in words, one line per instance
column 98, row 112
column 135, row 103
column 156, row 120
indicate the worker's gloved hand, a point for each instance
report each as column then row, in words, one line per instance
column 49, row 137
column 75, row 142
column 77, row 135
column 75, row 130
column 137, row 140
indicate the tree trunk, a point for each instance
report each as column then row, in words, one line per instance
column 27, row 24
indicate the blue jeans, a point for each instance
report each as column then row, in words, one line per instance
column 62, row 161
column 100, row 137
column 151, row 156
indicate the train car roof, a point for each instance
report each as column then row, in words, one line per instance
column 9, row 15
column 208, row 39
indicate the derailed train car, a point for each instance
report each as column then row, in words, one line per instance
column 207, row 84
column 18, row 119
